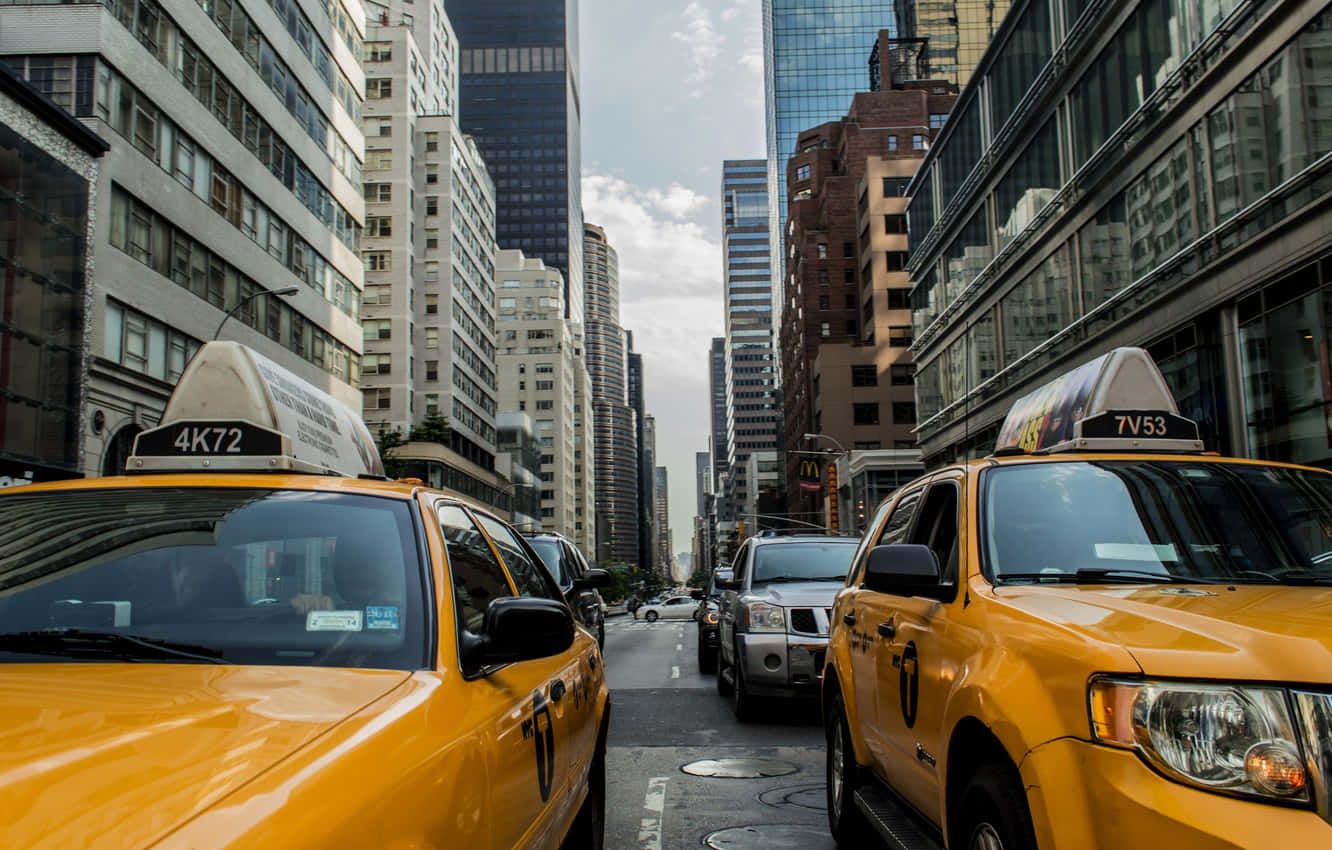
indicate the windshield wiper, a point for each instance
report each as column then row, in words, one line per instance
column 1100, row 576
column 80, row 643
column 776, row 579
column 1305, row 577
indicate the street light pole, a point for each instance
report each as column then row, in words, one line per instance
column 286, row 290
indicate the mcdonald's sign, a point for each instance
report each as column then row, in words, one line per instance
column 832, row 497
column 810, row 476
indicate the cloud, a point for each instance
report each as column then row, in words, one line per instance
column 752, row 62
column 704, row 43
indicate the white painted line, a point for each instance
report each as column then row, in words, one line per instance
column 679, row 647
column 675, row 672
column 654, row 804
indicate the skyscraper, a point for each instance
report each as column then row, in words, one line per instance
column 958, row 32
column 646, row 433
column 519, row 98
column 614, row 421
column 752, row 410
column 717, row 403
column 814, row 59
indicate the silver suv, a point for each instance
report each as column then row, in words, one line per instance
column 775, row 604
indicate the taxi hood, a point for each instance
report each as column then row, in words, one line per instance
column 1242, row 632
column 126, row 753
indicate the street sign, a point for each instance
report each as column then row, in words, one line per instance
column 810, row 476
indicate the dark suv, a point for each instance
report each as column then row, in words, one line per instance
column 708, row 616
column 578, row 581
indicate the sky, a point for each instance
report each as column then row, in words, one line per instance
column 669, row 90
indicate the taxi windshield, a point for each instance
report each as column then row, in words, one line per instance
column 551, row 554
column 803, row 561
column 1157, row 521
column 221, row 574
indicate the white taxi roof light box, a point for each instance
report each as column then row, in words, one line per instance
column 1117, row 402
column 234, row 410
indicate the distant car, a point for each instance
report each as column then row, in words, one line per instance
column 674, row 608
column 578, row 581
column 708, row 615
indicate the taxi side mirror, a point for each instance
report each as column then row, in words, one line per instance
column 725, row 579
column 903, row 569
column 519, row 629
column 592, row 579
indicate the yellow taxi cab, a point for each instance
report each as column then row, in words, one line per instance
column 255, row 640
column 1101, row 636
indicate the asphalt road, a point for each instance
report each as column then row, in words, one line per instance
column 666, row 717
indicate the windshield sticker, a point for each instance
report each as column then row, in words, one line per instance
column 1162, row 552
column 333, row 621
column 381, row 617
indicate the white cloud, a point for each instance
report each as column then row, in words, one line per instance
column 704, row 43
column 752, row 62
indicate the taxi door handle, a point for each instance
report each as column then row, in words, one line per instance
column 849, row 619
column 557, row 690
column 887, row 630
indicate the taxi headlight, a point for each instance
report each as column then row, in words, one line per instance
column 762, row 617
column 1227, row 738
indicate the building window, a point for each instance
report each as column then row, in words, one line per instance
column 899, row 299
column 917, row 142
column 379, row 225
column 431, row 142
column 849, row 301
column 545, row 404
column 903, row 375
column 377, row 399
column 432, row 238
column 822, row 249
column 904, row 413
column 379, row 51
column 894, row 224
column 892, row 143
column 432, row 404
column 377, row 329
column 377, row 364
column 378, row 159
column 378, row 261
column 823, row 303
column 825, row 329
column 378, row 193
column 432, row 337
column 377, row 294
column 378, row 88
column 432, row 173
column 431, row 304
column 823, row 277
column 895, row 261
column 802, row 172
column 865, row 413
column 546, row 386
column 865, row 376
column 432, row 204
column 432, row 370
column 848, row 275
column 899, row 336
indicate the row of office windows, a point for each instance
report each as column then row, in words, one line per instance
column 1252, row 142
column 153, row 240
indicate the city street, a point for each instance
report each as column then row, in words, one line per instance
column 667, row 716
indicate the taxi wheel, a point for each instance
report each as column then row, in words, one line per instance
column 650, row 616
column 845, row 820
column 589, row 828
column 994, row 814
column 742, row 702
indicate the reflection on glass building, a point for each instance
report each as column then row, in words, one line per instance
column 48, row 177
column 1138, row 198
column 958, row 32
column 519, row 99
column 815, row 57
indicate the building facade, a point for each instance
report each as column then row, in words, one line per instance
column 541, row 375
column 846, row 322
column 520, row 100
column 235, row 169
column 956, row 33
column 753, row 416
column 615, row 423
column 813, row 61
column 1103, row 185
column 661, row 511
column 519, row 460
column 48, row 180
column 647, row 461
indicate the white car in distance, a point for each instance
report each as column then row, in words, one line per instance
column 671, row 608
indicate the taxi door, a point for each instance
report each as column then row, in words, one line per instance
column 918, row 658
column 526, row 747
column 566, row 687
column 867, row 611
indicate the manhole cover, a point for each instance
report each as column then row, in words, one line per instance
column 813, row 797
column 772, row 836
column 739, row 768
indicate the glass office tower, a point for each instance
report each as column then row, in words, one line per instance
column 519, row 100
column 815, row 56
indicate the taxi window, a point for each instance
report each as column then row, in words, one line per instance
column 896, row 529
column 937, row 527
column 241, row 575
column 555, row 557
column 531, row 580
column 867, row 541
column 478, row 578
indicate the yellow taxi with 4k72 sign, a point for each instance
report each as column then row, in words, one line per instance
column 257, row 641
column 1099, row 637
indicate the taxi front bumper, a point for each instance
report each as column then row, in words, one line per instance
column 1085, row 796
column 783, row 664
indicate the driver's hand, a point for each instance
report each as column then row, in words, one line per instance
column 306, row 602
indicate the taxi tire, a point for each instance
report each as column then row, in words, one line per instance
column 650, row 616
column 846, row 822
column 589, row 827
column 994, row 796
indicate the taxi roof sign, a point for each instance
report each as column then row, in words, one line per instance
column 234, row 410
column 1117, row 402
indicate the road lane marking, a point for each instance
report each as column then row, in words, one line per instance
column 675, row 672
column 654, row 804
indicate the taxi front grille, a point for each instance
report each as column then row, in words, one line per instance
column 802, row 620
column 1314, row 716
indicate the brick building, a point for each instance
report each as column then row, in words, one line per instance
column 846, row 326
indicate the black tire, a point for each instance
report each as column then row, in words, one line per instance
column 845, row 820
column 601, row 636
column 650, row 616
column 723, row 686
column 994, row 814
column 742, row 701
column 589, row 827
column 707, row 659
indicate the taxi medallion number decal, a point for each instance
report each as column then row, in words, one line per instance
column 545, row 743
column 183, row 439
